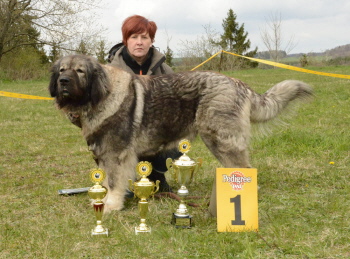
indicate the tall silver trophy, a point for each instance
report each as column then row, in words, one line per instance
column 183, row 170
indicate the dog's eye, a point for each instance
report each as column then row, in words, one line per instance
column 62, row 70
column 80, row 71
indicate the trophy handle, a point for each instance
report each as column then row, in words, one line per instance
column 156, row 187
column 169, row 163
column 131, row 186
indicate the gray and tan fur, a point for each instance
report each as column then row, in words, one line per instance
column 124, row 116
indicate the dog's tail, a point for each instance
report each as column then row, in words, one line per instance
column 269, row 105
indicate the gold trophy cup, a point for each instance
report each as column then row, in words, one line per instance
column 97, row 193
column 183, row 170
column 143, row 189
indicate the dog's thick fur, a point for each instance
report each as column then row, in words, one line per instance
column 124, row 116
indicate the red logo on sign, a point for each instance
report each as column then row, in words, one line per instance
column 236, row 179
column 237, row 183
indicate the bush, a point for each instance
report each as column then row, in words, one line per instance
column 338, row 61
column 23, row 65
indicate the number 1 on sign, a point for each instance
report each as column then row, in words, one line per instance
column 238, row 211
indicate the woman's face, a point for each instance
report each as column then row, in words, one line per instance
column 138, row 45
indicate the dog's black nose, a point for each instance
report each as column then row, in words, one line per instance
column 64, row 80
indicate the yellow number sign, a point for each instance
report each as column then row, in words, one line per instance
column 237, row 199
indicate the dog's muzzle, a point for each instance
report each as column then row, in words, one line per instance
column 64, row 81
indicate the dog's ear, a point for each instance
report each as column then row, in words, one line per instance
column 54, row 77
column 99, row 84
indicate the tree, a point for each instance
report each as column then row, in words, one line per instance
column 304, row 60
column 82, row 48
column 168, row 53
column 55, row 53
column 55, row 21
column 101, row 52
column 235, row 39
column 272, row 37
column 195, row 52
column 169, row 57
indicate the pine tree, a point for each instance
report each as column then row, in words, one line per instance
column 230, row 28
column 55, row 53
column 235, row 39
column 101, row 52
column 82, row 48
column 169, row 57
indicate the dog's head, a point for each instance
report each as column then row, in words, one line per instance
column 77, row 80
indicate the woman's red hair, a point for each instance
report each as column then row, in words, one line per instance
column 138, row 24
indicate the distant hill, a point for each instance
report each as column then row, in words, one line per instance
column 312, row 54
column 340, row 51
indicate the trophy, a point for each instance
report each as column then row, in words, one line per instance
column 143, row 189
column 183, row 170
column 97, row 193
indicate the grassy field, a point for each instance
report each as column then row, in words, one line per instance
column 304, row 197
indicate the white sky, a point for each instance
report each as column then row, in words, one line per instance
column 316, row 25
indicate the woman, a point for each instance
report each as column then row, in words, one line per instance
column 136, row 54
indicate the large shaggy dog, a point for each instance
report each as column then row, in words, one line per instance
column 124, row 116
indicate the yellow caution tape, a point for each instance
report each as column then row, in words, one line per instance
column 206, row 61
column 291, row 67
column 23, row 96
column 271, row 63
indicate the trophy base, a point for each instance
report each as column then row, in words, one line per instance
column 142, row 230
column 99, row 233
column 182, row 221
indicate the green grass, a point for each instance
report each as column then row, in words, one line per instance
column 304, row 205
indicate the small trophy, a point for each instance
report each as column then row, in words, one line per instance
column 97, row 193
column 143, row 189
column 182, row 171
